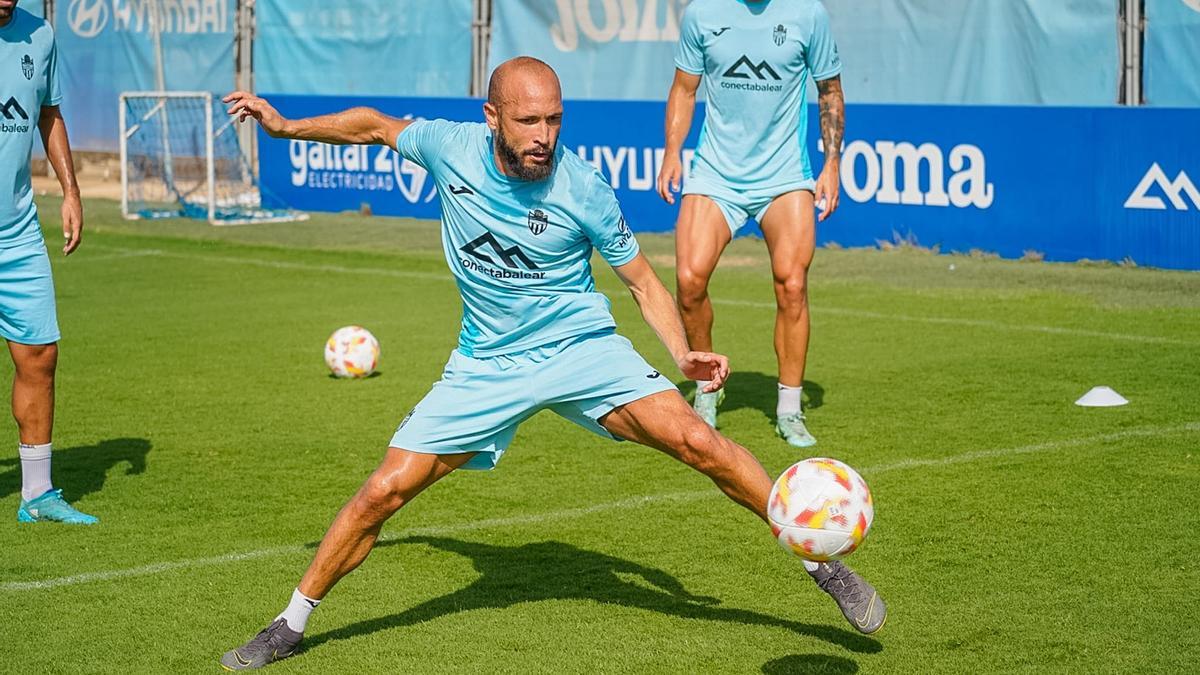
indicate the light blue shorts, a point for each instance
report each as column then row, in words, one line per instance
column 739, row 205
column 479, row 403
column 28, row 314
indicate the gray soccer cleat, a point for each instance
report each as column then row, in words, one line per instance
column 272, row 643
column 706, row 404
column 857, row 599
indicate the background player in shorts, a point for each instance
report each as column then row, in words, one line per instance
column 29, row 98
column 521, row 216
column 755, row 58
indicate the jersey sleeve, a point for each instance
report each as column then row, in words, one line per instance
column 421, row 141
column 822, row 53
column 606, row 228
column 53, row 95
column 689, row 53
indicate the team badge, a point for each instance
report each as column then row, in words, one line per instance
column 538, row 221
column 27, row 67
column 780, row 35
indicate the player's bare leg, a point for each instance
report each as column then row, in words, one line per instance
column 789, row 227
column 664, row 421
column 33, row 390
column 33, row 409
column 399, row 479
column 701, row 235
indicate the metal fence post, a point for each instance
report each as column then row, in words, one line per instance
column 481, row 38
column 243, row 54
column 1132, row 24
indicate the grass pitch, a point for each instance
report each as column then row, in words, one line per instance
column 1014, row 530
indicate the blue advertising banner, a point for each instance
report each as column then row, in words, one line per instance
column 106, row 47
column 364, row 48
column 1071, row 183
column 319, row 177
column 1172, row 53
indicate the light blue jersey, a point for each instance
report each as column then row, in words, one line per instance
column 28, row 81
column 756, row 58
column 520, row 250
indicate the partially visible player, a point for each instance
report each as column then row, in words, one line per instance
column 755, row 58
column 29, row 98
column 521, row 216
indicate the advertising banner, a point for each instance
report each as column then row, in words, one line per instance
column 106, row 47
column 368, row 47
column 1069, row 183
column 1010, row 52
column 1172, row 53
column 602, row 49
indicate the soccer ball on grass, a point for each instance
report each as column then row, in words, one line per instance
column 352, row 352
column 820, row 509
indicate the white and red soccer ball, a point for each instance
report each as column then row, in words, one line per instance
column 820, row 509
column 352, row 352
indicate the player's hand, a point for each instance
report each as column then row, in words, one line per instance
column 828, row 188
column 668, row 178
column 705, row 366
column 244, row 104
column 72, row 220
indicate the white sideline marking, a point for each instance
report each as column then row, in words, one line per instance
column 275, row 264
column 634, row 502
column 122, row 253
column 823, row 309
column 973, row 323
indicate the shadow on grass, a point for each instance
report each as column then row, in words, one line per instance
column 82, row 470
column 758, row 391
column 373, row 375
column 810, row 664
column 510, row 575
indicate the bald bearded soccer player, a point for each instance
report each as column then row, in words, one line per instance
column 521, row 217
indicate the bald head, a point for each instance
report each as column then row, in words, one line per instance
column 521, row 78
column 524, row 110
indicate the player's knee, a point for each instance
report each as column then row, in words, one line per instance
column 791, row 291
column 37, row 363
column 700, row 447
column 382, row 495
column 691, row 288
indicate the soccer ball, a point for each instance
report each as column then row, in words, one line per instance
column 352, row 352
column 820, row 509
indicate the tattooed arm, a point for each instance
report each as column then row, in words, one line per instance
column 833, row 128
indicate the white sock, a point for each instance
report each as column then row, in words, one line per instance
column 789, row 400
column 298, row 610
column 701, row 384
column 35, row 470
column 810, row 565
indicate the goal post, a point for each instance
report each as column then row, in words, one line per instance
column 180, row 157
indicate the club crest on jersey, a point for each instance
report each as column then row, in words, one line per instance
column 27, row 67
column 538, row 221
column 780, row 35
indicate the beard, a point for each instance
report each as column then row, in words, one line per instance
column 514, row 163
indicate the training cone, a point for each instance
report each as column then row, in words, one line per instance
column 1101, row 397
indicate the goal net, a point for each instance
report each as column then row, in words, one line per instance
column 180, row 157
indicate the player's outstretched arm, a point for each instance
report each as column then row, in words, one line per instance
column 833, row 128
column 659, row 311
column 681, row 105
column 358, row 126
